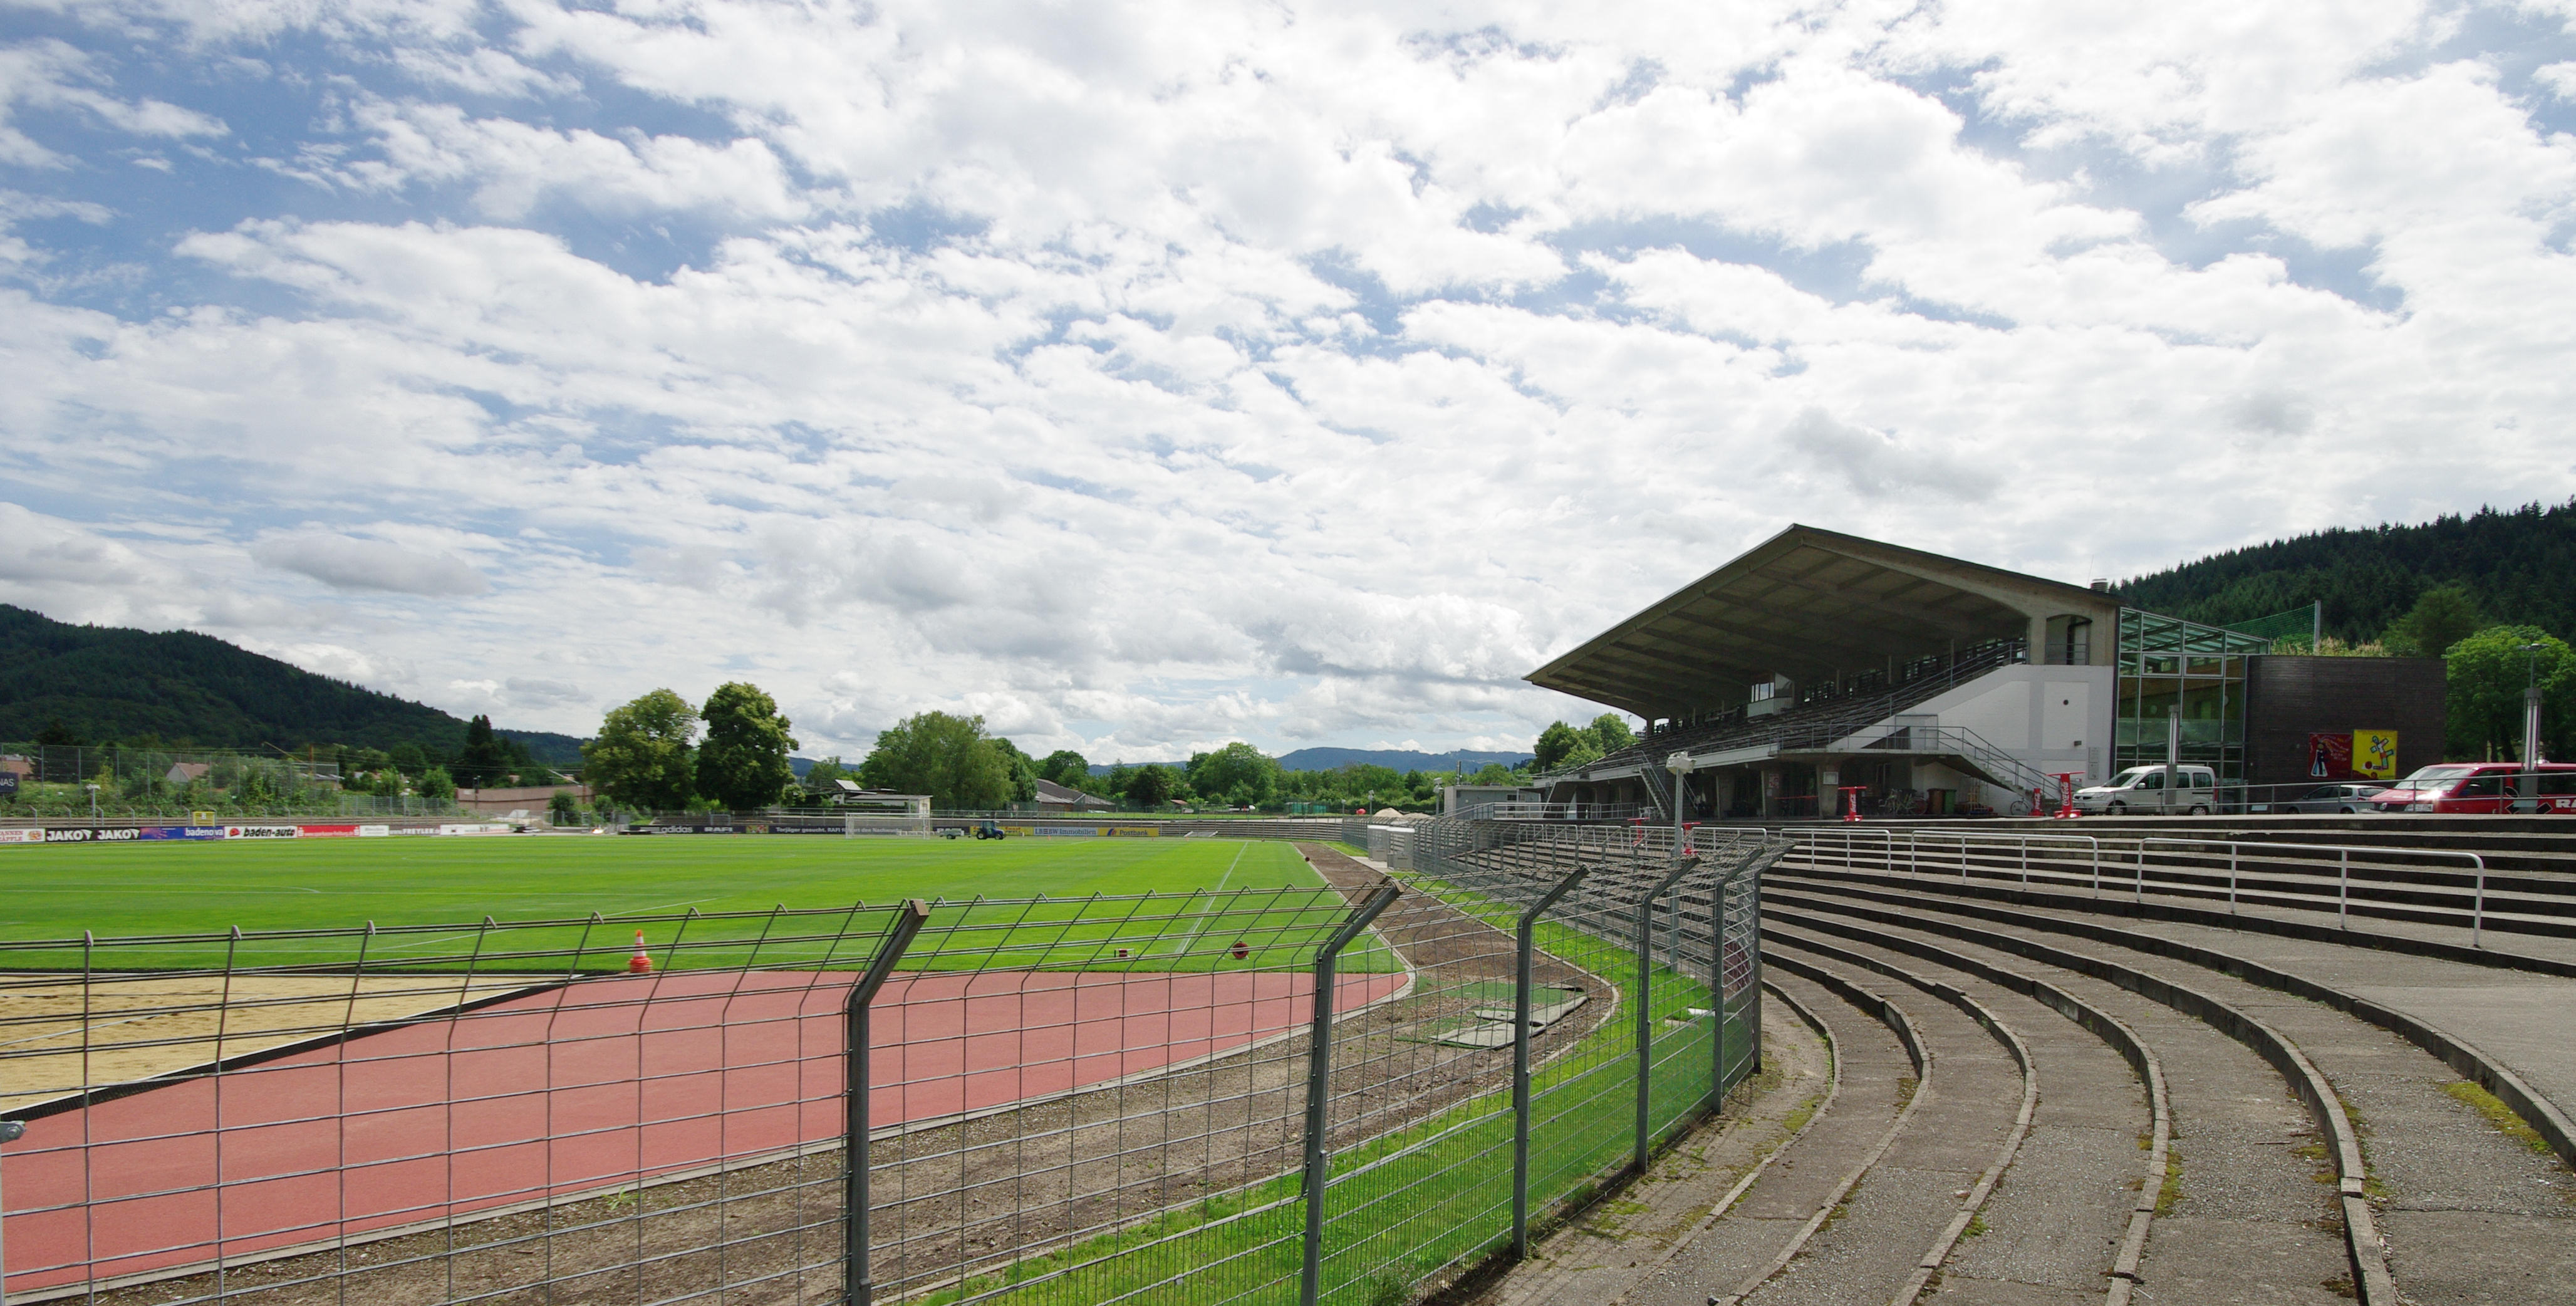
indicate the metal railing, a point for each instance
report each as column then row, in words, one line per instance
column 2266, row 872
column 1194, row 1097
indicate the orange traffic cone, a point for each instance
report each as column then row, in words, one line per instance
column 641, row 962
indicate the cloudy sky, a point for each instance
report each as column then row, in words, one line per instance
column 1144, row 376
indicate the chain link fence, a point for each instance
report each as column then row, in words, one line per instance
column 1041, row 1100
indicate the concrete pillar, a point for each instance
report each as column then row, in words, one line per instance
column 1770, row 774
column 2038, row 638
column 1829, row 779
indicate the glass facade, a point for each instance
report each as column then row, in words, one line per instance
column 2167, row 661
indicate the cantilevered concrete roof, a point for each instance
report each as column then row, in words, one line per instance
column 1811, row 605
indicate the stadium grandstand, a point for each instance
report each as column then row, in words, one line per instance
column 1931, row 685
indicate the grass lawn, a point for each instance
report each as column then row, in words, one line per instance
column 337, row 884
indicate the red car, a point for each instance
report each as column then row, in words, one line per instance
column 2480, row 787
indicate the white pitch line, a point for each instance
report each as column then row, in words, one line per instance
column 1192, row 937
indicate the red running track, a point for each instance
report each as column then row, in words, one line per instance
column 579, row 1088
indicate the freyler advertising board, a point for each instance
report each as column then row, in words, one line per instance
column 164, row 833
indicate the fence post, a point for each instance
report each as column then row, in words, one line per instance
column 2343, row 890
column 1717, row 991
column 1319, row 1081
column 1645, row 986
column 859, row 1287
column 2478, row 905
column 10, row 1131
column 1753, row 986
column 1524, row 940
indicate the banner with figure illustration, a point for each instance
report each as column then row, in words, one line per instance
column 2374, row 754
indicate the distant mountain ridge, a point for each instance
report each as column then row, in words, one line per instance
column 1326, row 759
column 184, row 688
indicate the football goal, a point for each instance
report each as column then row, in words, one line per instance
column 882, row 814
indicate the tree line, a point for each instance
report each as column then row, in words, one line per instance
column 2510, row 565
column 650, row 756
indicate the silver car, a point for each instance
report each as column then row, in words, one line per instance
column 2342, row 797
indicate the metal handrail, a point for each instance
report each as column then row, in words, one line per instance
column 1820, row 842
column 2343, row 872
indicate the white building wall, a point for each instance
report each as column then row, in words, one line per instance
column 2053, row 718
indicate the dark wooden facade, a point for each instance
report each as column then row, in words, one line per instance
column 2288, row 698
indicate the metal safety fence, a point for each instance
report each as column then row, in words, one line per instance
column 2454, row 887
column 1029, row 1100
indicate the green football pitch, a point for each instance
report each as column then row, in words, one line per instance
column 134, row 890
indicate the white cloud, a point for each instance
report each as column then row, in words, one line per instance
column 1147, row 376
column 49, row 74
column 346, row 563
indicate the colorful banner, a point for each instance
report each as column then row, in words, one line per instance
column 160, row 832
column 326, row 832
column 259, row 832
column 22, row 836
column 2329, row 757
column 2374, row 754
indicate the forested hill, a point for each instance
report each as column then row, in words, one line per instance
column 2518, row 566
column 107, row 683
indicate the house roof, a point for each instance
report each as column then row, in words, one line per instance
column 1051, row 792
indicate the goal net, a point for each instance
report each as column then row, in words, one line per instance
column 890, row 814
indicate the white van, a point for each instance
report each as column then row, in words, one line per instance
column 2142, row 789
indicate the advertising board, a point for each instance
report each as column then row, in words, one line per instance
column 2374, row 754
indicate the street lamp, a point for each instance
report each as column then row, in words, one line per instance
column 93, row 801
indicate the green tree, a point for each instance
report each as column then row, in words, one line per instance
column 641, row 758
column 563, row 809
column 2442, row 616
column 1610, row 731
column 944, row 756
column 1065, row 767
column 820, row 776
column 1149, row 786
column 2487, row 673
column 743, row 763
column 409, row 760
column 436, row 785
column 1494, row 773
column 483, row 760
column 1558, row 740
column 1238, row 775
column 1024, row 770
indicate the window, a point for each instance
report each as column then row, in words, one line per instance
column 2480, row 786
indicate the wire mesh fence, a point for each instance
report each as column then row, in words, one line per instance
column 1028, row 1100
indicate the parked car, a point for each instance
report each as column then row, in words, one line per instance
column 2344, row 796
column 2481, row 787
column 2142, row 789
